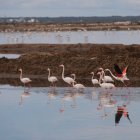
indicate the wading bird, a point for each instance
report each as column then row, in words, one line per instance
column 24, row 80
column 52, row 79
column 68, row 80
column 105, row 85
column 94, row 81
column 77, row 86
column 105, row 78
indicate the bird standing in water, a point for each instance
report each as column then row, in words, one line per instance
column 68, row 80
column 24, row 80
column 52, row 79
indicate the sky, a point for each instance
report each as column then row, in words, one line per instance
column 57, row 8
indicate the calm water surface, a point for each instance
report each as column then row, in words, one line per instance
column 41, row 114
column 73, row 37
column 10, row 56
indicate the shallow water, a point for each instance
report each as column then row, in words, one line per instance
column 10, row 56
column 65, row 114
column 73, row 37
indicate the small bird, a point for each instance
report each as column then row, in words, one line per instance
column 52, row 79
column 24, row 80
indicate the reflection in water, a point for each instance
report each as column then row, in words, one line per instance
column 121, row 111
column 70, row 97
column 106, row 101
column 51, row 95
column 80, row 114
column 24, row 95
column 10, row 56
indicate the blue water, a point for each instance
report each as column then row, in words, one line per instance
column 42, row 114
column 73, row 37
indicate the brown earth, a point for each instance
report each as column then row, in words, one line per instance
column 22, row 27
column 80, row 59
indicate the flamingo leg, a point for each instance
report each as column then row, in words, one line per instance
column 29, row 86
column 24, row 87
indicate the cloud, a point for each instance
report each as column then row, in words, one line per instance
column 65, row 7
column 65, row 3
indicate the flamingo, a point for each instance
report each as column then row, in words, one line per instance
column 24, row 80
column 105, row 85
column 52, row 79
column 94, row 81
column 77, row 86
column 68, row 80
column 106, row 78
column 122, row 79
column 74, row 76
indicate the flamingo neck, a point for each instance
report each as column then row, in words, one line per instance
column 74, row 77
column 92, row 76
column 100, row 79
column 21, row 74
column 49, row 74
column 103, row 74
column 63, row 73
column 112, row 74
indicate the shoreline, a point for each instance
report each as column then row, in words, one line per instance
column 48, row 27
column 80, row 59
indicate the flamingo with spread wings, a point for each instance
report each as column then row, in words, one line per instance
column 120, row 73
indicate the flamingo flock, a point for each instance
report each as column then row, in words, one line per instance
column 104, row 81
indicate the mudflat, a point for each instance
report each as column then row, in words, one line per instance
column 80, row 59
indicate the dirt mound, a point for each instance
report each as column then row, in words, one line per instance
column 80, row 59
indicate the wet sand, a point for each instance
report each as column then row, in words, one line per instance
column 80, row 59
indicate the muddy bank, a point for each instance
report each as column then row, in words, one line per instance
column 22, row 27
column 80, row 59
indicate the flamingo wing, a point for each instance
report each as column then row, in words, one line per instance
column 53, row 79
column 26, row 80
column 124, row 71
column 117, row 69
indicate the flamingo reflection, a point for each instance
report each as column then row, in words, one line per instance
column 51, row 96
column 106, row 101
column 70, row 97
column 24, row 95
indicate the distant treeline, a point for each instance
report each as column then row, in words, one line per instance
column 109, row 19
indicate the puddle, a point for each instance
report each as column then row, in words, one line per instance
column 10, row 56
